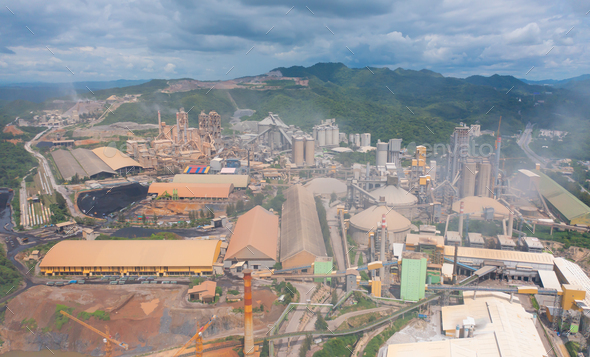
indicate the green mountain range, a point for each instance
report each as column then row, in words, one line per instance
column 421, row 106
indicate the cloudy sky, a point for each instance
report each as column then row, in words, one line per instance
column 104, row 40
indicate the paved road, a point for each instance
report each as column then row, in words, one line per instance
column 294, row 320
column 524, row 141
column 43, row 161
column 333, row 222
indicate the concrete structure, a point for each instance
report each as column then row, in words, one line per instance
column 475, row 240
column 309, row 151
column 381, row 153
column 329, row 135
column 238, row 181
column 468, row 178
column 321, row 132
column 298, row 151
column 326, row 186
column 394, row 196
column 533, row 245
column 357, row 140
column 204, row 292
column 483, row 179
column 220, row 191
column 301, row 235
column 395, row 148
column 413, row 279
column 496, row 325
column 571, row 274
column 335, row 135
column 366, row 139
column 514, row 264
column 505, row 242
column 131, row 257
column 254, row 240
column 452, row 238
column 368, row 220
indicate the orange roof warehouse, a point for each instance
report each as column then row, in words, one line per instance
column 131, row 257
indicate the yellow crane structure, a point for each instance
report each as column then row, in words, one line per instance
column 107, row 337
column 198, row 338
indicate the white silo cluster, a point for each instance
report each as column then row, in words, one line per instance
column 327, row 133
column 303, row 150
column 360, row 140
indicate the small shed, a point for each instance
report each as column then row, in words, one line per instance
column 204, row 292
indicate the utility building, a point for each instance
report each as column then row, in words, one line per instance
column 301, row 235
column 131, row 257
column 254, row 240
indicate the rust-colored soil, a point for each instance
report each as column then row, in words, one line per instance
column 171, row 208
column 12, row 129
column 14, row 141
column 86, row 142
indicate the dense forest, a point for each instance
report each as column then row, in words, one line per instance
column 15, row 162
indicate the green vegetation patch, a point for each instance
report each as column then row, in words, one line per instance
column 362, row 303
column 99, row 314
column 9, row 276
column 30, row 323
column 373, row 346
column 338, row 347
column 60, row 319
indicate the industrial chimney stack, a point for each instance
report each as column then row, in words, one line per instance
column 248, row 324
column 510, row 221
column 382, row 255
column 461, row 219
column 159, row 124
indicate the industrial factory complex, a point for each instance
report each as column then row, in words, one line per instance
column 449, row 237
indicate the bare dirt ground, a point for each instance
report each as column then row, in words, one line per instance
column 148, row 318
column 12, row 129
column 579, row 255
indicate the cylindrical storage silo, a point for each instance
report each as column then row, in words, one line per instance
column 277, row 139
column 298, row 147
column 335, row 135
column 321, row 137
column 351, row 139
column 382, row 153
column 357, row 139
column 329, row 136
column 309, row 152
column 315, row 132
column 483, row 179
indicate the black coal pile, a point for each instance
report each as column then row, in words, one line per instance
column 108, row 200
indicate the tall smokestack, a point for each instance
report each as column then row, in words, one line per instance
column 248, row 324
column 510, row 221
column 455, row 264
column 461, row 219
column 497, row 170
column 177, row 137
column 382, row 255
column 159, row 124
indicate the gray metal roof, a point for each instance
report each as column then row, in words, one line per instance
column 300, row 225
column 67, row 165
column 91, row 163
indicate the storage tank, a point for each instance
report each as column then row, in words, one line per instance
column 483, row 179
column 315, row 132
column 382, row 153
column 357, row 139
column 468, row 178
column 335, row 135
column 298, row 151
column 321, row 137
column 309, row 151
column 329, row 136
column 351, row 139
column 366, row 139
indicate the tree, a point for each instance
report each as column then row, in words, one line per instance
column 258, row 199
column 320, row 323
column 155, row 219
column 202, row 214
column 334, row 297
column 333, row 197
column 240, row 206
column 229, row 210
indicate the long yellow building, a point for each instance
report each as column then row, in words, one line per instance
column 131, row 257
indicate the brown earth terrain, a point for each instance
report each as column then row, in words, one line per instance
column 171, row 208
column 254, row 83
column 86, row 142
column 14, row 141
column 12, row 130
column 148, row 318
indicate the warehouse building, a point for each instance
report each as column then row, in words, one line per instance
column 570, row 208
column 131, row 257
column 175, row 190
column 254, row 240
column 82, row 162
column 513, row 265
column 239, row 181
column 301, row 236
column 117, row 161
column 489, row 325
column 366, row 221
